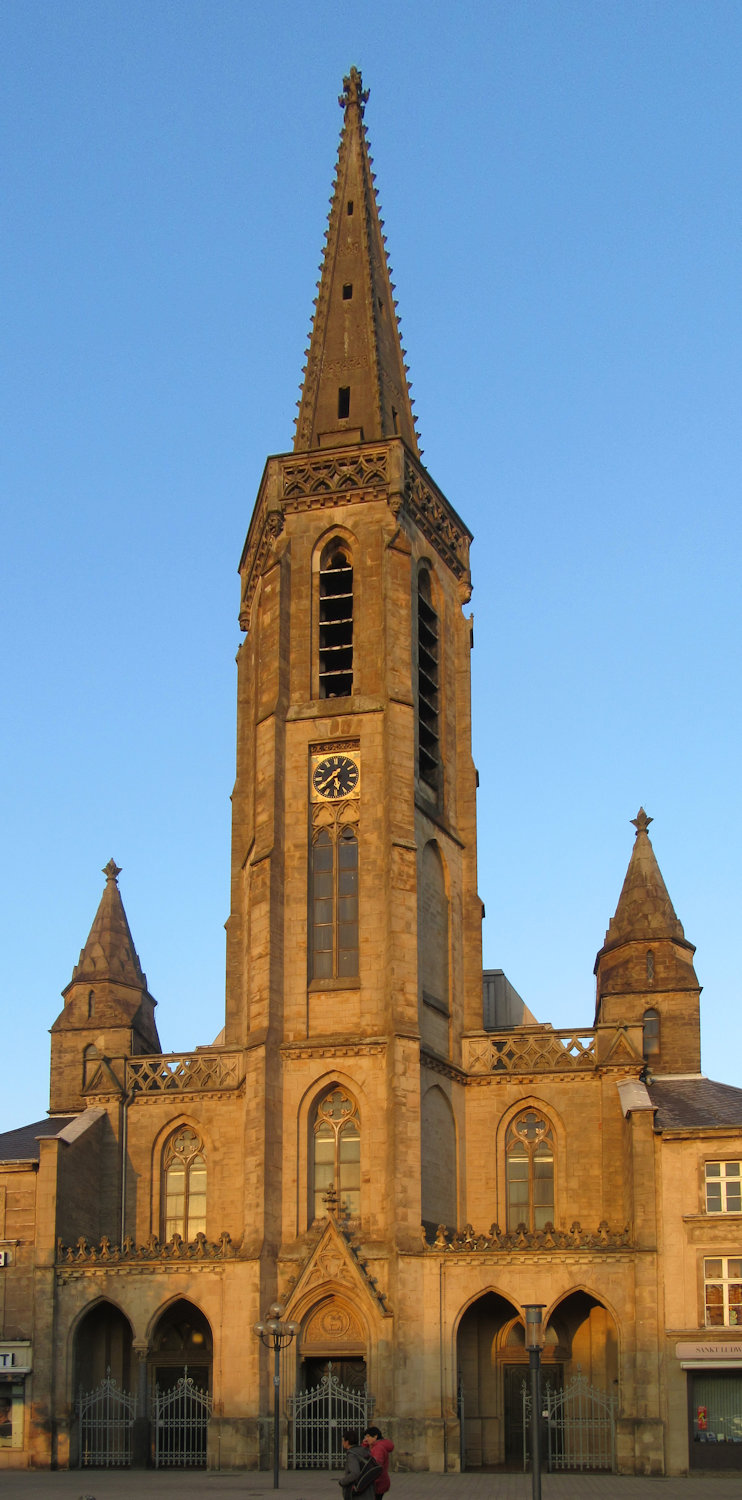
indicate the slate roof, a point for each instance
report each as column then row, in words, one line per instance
column 684, row 1103
column 22, row 1145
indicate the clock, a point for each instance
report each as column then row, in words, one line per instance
column 335, row 776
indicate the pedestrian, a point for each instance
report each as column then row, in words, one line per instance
column 380, row 1447
column 355, row 1456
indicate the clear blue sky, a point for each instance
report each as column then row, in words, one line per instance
column 561, row 189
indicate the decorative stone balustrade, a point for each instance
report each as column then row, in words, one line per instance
column 530, row 1051
column 184, row 1072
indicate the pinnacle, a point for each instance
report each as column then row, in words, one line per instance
column 355, row 385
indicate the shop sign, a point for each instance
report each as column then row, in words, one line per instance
column 688, row 1350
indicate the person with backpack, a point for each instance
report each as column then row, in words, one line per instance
column 380, row 1448
column 355, row 1458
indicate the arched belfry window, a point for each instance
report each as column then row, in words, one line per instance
column 336, row 621
column 651, row 1032
column 428, row 683
column 334, row 904
column 184, row 1185
column 529, row 1150
column 335, row 1154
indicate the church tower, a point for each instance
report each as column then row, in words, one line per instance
column 645, row 970
column 354, row 940
column 108, row 1010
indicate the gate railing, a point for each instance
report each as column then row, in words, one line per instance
column 106, row 1425
column 318, row 1419
column 581, row 1425
column 181, row 1419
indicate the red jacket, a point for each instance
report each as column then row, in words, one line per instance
column 381, row 1448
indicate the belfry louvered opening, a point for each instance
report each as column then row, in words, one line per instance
column 427, row 683
column 336, row 622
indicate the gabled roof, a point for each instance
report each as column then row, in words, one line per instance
column 354, row 343
column 644, row 910
column 685, row 1103
column 23, row 1145
column 109, row 952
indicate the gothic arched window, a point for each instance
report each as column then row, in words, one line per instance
column 529, row 1152
column 651, row 1032
column 184, row 1185
column 335, row 1154
column 334, row 911
column 336, row 621
column 428, row 683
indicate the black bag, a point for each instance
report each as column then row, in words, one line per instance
column 371, row 1470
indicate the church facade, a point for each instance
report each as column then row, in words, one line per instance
column 399, row 1164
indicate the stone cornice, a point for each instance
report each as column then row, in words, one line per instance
column 326, row 1047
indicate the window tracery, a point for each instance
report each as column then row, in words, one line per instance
column 184, row 1185
column 335, row 1154
column 529, row 1151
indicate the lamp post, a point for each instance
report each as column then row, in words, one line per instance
column 534, row 1339
column 276, row 1335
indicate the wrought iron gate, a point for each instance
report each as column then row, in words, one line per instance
column 106, row 1424
column 318, row 1419
column 181, row 1419
column 581, row 1425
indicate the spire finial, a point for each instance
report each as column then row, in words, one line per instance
column 353, row 92
column 112, row 870
column 641, row 822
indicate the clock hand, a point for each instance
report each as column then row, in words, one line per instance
column 323, row 785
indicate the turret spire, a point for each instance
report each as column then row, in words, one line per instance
column 109, row 952
column 644, row 909
column 355, row 386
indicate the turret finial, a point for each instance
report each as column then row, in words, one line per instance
column 641, row 822
column 112, row 870
column 353, row 91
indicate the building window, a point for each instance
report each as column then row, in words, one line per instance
column 334, row 927
column 723, row 1187
column 651, row 1033
column 722, row 1278
column 336, row 1154
column 428, row 737
column 529, row 1151
column 336, row 622
column 184, row 1196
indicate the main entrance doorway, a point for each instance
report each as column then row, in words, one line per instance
column 330, row 1404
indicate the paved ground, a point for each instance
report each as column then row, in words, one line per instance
column 97, row 1484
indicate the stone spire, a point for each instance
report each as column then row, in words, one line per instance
column 355, row 379
column 644, row 910
column 109, row 953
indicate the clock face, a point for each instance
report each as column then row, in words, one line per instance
column 335, row 776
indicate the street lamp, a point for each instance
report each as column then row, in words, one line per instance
column 534, row 1340
column 276, row 1335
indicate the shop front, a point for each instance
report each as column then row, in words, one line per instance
column 714, row 1380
